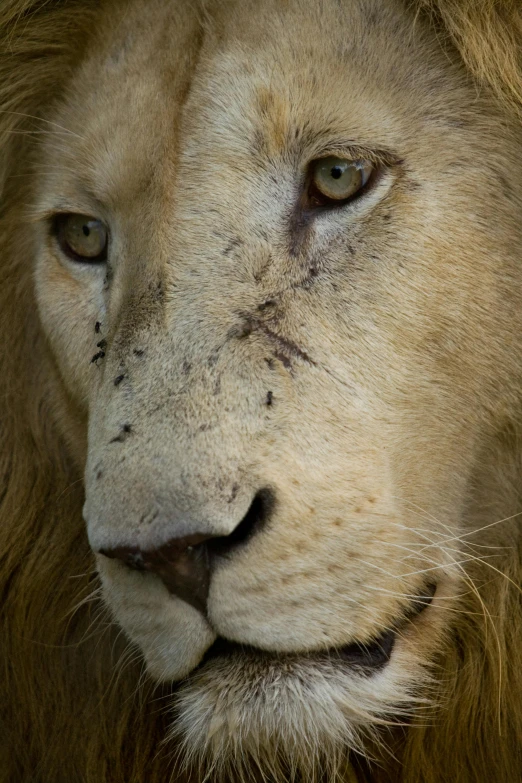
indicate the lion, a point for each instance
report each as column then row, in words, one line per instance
column 260, row 468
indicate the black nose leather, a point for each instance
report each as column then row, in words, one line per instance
column 183, row 564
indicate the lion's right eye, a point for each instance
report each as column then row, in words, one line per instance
column 82, row 238
column 336, row 181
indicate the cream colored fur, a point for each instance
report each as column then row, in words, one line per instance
column 386, row 336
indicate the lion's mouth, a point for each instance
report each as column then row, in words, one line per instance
column 365, row 658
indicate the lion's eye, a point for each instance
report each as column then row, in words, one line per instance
column 82, row 238
column 334, row 181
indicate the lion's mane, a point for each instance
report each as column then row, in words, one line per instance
column 75, row 705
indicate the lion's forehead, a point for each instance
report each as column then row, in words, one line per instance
column 263, row 83
column 301, row 69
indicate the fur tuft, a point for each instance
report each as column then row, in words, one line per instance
column 310, row 709
column 488, row 35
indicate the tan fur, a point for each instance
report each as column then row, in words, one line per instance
column 487, row 33
column 393, row 442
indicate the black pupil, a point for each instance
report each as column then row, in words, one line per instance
column 86, row 230
column 337, row 172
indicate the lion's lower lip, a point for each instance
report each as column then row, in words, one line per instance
column 366, row 657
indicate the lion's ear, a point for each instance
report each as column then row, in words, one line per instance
column 488, row 35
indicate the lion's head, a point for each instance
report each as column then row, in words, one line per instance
column 274, row 254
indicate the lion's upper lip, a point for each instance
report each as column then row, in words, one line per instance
column 366, row 657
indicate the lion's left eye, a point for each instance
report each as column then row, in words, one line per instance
column 81, row 237
column 334, row 181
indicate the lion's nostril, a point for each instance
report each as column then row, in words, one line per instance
column 256, row 518
column 183, row 564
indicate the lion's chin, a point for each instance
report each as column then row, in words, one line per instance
column 245, row 711
column 244, row 708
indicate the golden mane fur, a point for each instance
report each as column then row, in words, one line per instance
column 75, row 703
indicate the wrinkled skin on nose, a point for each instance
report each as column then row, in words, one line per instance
column 171, row 438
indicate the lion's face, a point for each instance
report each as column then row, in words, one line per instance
column 292, row 382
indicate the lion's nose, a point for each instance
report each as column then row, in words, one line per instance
column 183, row 564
